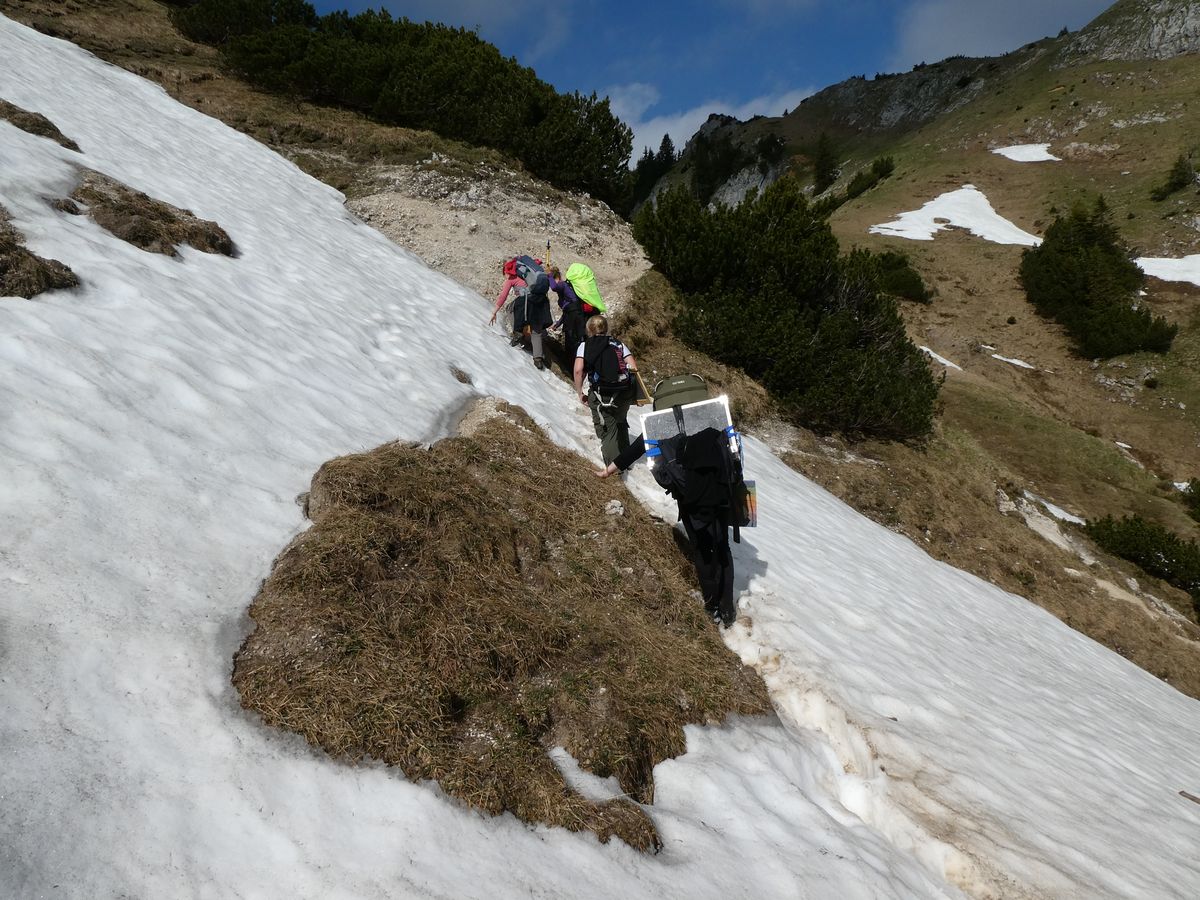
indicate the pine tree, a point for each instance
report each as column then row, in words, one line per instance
column 666, row 156
column 825, row 164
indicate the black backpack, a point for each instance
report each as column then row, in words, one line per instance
column 704, row 475
column 604, row 361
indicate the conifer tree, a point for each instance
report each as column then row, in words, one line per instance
column 825, row 164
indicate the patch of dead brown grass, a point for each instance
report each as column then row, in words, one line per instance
column 35, row 123
column 455, row 611
column 147, row 223
column 23, row 273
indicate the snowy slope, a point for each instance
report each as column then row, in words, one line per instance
column 157, row 424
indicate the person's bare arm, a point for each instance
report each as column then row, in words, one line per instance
column 579, row 381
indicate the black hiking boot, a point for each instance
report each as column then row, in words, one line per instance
column 516, row 339
column 537, row 363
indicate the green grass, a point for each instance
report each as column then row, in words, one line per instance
column 1178, row 372
column 1068, row 464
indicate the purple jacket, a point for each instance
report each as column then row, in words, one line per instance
column 566, row 293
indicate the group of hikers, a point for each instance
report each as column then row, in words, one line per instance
column 700, row 471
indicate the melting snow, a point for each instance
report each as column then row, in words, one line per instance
column 1057, row 511
column 1186, row 268
column 966, row 208
column 945, row 362
column 1027, row 153
column 1016, row 362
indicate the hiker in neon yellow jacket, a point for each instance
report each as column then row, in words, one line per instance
column 584, row 284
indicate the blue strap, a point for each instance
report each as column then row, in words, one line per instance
column 652, row 448
column 734, row 435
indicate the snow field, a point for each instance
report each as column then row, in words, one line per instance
column 163, row 418
column 935, row 732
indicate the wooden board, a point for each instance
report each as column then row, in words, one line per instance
column 641, row 396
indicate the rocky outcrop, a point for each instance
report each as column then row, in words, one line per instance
column 1139, row 29
column 734, row 191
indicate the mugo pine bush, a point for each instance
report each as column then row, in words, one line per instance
column 1083, row 278
column 421, row 75
column 763, row 288
column 1158, row 551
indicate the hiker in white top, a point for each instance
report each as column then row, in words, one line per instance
column 604, row 376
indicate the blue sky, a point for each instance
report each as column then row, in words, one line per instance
column 666, row 65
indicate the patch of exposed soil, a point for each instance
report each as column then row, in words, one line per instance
column 465, row 223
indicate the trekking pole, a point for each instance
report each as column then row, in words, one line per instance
column 547, row 253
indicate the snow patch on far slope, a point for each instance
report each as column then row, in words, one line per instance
column 1027, row 153
column 966, row 208
column 1185, row 268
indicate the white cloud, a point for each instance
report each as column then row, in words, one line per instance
column 544, row 22
column 931, row 30
column 631, row 102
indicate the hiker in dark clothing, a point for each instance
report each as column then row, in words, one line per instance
column 573, row 320
column 604, row 370
column 705, row 512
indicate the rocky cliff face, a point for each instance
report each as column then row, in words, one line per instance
column 902, row 101
column 1139, row 29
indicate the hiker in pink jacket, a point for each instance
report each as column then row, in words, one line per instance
column 531, row 311
column 512, row 280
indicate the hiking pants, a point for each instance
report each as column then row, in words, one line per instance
column 714, row 562
column 535, row 342
column 610, row 415
column 574, row 330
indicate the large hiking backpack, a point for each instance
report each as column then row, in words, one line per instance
column 703, row 472
column 678, row 390
column 535, row 277
column 604, row 361
column 583, row 282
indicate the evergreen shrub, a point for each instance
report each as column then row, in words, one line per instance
column 714, row 161
column 1083, row 278
column 1157, row 550
column 1191, row 498
column 421, row 75
column 764, row 289
column 825, row 164
column 898, row 278
column 1182, row 174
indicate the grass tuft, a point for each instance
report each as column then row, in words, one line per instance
column 458, row 610
column 23, row 273
column 145, row 222
column 35, row 123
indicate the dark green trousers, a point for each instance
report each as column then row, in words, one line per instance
column 610, row 416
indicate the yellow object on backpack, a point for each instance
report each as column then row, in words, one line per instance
column 583, row 282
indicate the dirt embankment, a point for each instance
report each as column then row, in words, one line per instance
column 466, row 221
